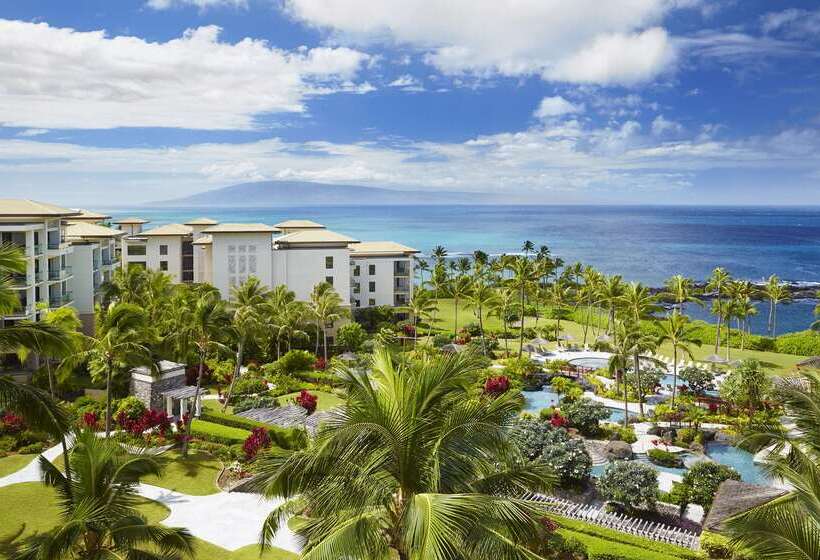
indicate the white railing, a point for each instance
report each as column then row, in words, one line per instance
column 597, row 515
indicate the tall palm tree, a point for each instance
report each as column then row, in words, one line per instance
column 524, row 271
column 98, row 517
column 587, row 294
column 64, row 319
column 438, row 276
column 316, row 296
column 681, row 290
column 330, row 310
column 421, row 307
column 558, row 296
column 127, row 285
column 639, row 343
column 501, row 308
column 717, row 283
column 414, row 467
column 459, row 288
column 776, row 292
column 121, row 342
column 619, row 362
column 201, row 331
column 787, row 528
column 246, row 304
column 611, row 290
column 482, row 297
column 677, row 331
column 422, row 266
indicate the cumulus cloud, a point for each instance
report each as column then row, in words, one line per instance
column 61, row 78
column 793, row 22
column 556, row 106
column 407, row 82
column 620, row 44
column 661, row 126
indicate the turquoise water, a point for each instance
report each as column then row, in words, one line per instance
column 742, row 461
column 644, row 243
column 594, row 363
column 535, row 401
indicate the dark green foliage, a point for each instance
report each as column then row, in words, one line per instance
column 261, row 401
column 584, row 415
column 701, row 482
column 533, row 435
column 218, row 433
column 664, row 458
column 286, row 438
column 803, row 343
column 373, row 318
column 629, row 483
column 249, row 385
column 350, row 337
column 295, row 360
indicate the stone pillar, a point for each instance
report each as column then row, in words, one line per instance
column 169, row 406
column 198, row 406
column 183, row 408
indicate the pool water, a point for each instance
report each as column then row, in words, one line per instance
column 591, row 362
column 598, row 470
column 740, row 460
column 535, row 401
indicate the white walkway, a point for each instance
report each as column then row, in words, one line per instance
column 229, row 520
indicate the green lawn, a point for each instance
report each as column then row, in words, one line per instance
column 195, row 474
column 445, row 320
column 13, row 463
column 326, row 400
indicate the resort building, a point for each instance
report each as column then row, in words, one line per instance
column 39, row 229
column 95, row 256
column 381, row 273
column 167, row 248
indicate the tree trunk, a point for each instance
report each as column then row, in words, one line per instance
column 108, row 375
column 774, row 321
column 318, row 329
column 190, row 421
column 324, row 343
column 719, row 321
column 771, row 316
column 638, row 381
column 481, row 330
column 66, row 460
column 626, row 397
column 236, row 371
column 674, row 372
column 50, row 378
column 521, row 338
column 455, row 317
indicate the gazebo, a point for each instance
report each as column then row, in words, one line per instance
column 164, row 389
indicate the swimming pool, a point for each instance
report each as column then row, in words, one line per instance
column 740, row 460
column 590, row 362
column 535, row 401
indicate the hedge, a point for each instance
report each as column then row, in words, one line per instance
column 218, row 433
column 600, row 540
column 286, row 438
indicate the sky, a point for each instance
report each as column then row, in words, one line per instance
column 552, row 101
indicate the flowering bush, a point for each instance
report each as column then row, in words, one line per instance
column 90, row 420
column 532, row 436
column 700, row 483
column 10, row 423
column 558, row 421
column 306, row 401
column 147, row 420
column 320, row 363
column 630, row 483
column 569, row 460
column 409, row 330
column 495, row 386
column 584, row 414
column 259, row 439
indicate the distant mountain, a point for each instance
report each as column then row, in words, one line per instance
column 299, row 193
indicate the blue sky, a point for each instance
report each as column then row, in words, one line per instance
column 656, row 101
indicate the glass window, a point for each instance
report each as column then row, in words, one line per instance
column 371, row 269
column 163, row 265
column 329, row 280
column 357, row 270
column 163, row 249
column 328, row 263
column 372, row 287
column 371, row 302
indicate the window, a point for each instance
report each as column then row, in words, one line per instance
column 358, row 303
column 163, row 265
column 135, row 250
column 328, row 263
column 372, row 287
column 163, row 249
column 357, row 270
column 329, row 280
column 371, row 269
column 371, row 302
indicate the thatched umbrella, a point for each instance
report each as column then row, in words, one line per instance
column 566, row 337
column 348, row 357
column 734, row 497
column 452, row 348
column 715, row 359
column 538, row 341
column 812, row 363
column 605, row 338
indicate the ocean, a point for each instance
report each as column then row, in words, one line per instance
column 642, row 243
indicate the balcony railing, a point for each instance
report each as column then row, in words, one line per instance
column 401, row 285
column 19, row 280
column 107, row 261
column 37, row 249
column 401, row 269
column 53, row 245
column 59, row 273
column 61, row 299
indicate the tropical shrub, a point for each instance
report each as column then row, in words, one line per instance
column 568, row 459
column 497, row 385
column 259, row 401
column 664, row 458
column 248, row 386
column 687, row 435
column 131, row 407
column 307, row 401
column 584, row 415
column 259, row 439
column 701, row 481
column 746, row 386
column 440, row 340
column 10, row 423
column 295, row 360
column 533, row 435
column 147, row 420
column 221, row 371
column 218, row 433
column 629, row 483
column 563, row 385
column 32, row 448
column 286, row 438
column 699, row 380
column 803, row 343
column 371, row 318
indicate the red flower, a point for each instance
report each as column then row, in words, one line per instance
column 10, row 423
column 496, row 385
column 409, row 330
column 90, row 420
column 258, row 439
column 320, row 363
column 306, row 401
column 558, row 421
column 549, row 525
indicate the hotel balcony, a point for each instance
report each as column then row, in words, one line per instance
column 37, row 249
column 24, row 311
column 60, row 299
column 401, row 268
column 400, row 300
column 401, row 285
column 60, row 273
column 19, row 280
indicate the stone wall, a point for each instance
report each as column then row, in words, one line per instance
column 149, row 392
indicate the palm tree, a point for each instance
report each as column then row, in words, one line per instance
column 528, row 247
column 127, row 285
column 438, row 276
column 612, row 289
column 718, row 282
column 65, row 320
column 787, row 528
column 415, row 467
column 121, row 342
column 681, row 290
column 677, row 331
column 501, row 308
column 619, row 362
column 639, row 343
column 558, row 295
column 316, row 296
column 421, row 307
column 776, row 292
column 459, row 288
column 422, row 266
column 587, row 294
column 524, row 271
column 201, row 330
column 247, row 302
column 481, row 298
column 98, row 517
column 330, row 310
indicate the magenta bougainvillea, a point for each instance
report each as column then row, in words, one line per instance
column 147, row 420
column 10, row 423
column 496, row 385
column 320, row 363
column 558, row 421
column 259, row 439
column 306, row 401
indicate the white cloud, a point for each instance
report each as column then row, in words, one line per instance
column 793, row 22
column 407, row 82
column 29, row 132
column 61, row 78
column 556, row 106
column 661, row 126
column 585, row 41
column 201, row 4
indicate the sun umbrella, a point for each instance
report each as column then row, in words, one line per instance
column 538, row 341
column 714, row 359
column 348, row 357
column 567, row 337
column 604, row 338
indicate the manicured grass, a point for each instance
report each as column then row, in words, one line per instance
column 326, row 400
column 208, row 551
column 773, row 361
column 13, row 463
column 600, row 540
column 218, row 433
column 195, row 474
column 35, row 505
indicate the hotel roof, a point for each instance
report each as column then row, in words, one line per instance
column 85, row 229
column 298, row 224
column 201, row 222
column 240, row 228
column 19, row 207
column 169, row 229
column 89, row 215
column 204, row 240
column 308, row 237
column 379, row 248
column 131, row 220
